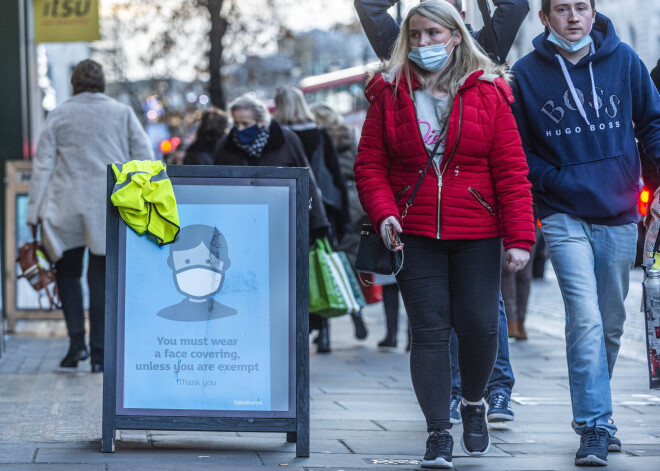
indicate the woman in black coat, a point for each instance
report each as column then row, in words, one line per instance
column 257, row 140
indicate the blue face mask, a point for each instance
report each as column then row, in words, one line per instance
column 565, row 44
column 431, row 58
column 247, row 135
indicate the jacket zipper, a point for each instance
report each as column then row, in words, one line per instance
column 444, row 170
column 474, row 192
column 437, row 216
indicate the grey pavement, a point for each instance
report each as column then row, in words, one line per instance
column 364, row 414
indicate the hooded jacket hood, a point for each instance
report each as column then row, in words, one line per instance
column 605, row 40
column 578, row 123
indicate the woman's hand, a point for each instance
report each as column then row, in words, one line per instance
column 516, row 259
column 389, row 232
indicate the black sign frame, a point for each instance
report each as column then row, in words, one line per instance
column 296, row 426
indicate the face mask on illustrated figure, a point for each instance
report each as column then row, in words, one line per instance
column 199, row 283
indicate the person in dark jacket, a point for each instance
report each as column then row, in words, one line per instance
column 382, row 30
column 583, row 99
column 345, row 139
column 212, row 126
column 441, row 165
column 292, row 111
column 257, row 140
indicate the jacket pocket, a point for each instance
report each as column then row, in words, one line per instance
column 602, row 188
column 477, row 196
column 401, row 192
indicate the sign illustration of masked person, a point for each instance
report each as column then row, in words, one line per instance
column 199, row 260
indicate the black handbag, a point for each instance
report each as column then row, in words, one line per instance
column 373, row 256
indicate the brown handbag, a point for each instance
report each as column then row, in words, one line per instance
column 39, row 270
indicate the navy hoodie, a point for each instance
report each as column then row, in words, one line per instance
column 587, row 166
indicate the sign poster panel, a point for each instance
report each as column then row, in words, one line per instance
column 66, row 20
column 206, row 320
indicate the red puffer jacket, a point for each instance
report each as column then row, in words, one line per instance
column 483, row 191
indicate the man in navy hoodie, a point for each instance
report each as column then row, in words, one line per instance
column 582, row 97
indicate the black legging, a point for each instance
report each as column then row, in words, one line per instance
column 445, row 284
column 391, row 307
column 68, row 273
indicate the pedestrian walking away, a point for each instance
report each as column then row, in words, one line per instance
column 212, row 126
column 67, row 197
column 344, row 139
column 582, row 99
column 293, row 113
column 382, row 31
column 442, row 174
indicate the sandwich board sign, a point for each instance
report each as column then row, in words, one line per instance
column 210, row 332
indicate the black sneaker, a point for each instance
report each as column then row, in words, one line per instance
column 439, row 446
column 593, row 448
column 614, row 444
column 475, row 440
column 499, row 408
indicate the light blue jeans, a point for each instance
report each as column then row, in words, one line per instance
column 593, row 264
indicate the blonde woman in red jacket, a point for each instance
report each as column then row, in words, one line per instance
column 440, row 101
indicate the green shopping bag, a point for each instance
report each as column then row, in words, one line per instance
column 352, row 279
column 329, row 292
column 317, row 297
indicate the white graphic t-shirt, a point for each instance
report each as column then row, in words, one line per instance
column 429, row 112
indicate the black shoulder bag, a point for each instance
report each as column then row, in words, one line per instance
column 373, row 256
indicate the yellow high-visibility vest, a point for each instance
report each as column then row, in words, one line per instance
column 144, row 196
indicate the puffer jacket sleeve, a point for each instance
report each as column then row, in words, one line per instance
column 509, row 170
column 372, row 166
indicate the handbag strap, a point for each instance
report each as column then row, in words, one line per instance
column 422, row 174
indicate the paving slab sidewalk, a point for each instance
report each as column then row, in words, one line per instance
column 364, row 414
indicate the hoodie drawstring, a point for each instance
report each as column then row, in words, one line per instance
column 571, row 87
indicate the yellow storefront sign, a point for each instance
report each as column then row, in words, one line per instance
column 66, row 20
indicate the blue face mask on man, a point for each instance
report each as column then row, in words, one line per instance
column 247, row 135
column 430, row 58
column 565, row 44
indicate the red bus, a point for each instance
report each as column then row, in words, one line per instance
column 343, row 90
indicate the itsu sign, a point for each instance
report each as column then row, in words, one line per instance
column 66, row 20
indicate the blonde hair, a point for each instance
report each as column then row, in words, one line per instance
column 466, row 57
column 325, row 116
column 291, row 107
